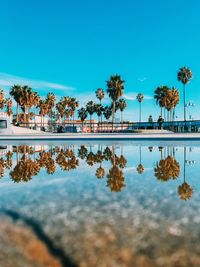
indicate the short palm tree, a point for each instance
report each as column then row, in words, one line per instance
column 82, row 114
column 159, row 95
column 140, row 98
column 2, row 100
column 99, row 110
column 90, row 107
column 107, row 112
column 122, row 106
column 184, row 75
column 8, row 103
column 115, row 89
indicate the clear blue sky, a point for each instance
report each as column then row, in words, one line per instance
column 80, row 43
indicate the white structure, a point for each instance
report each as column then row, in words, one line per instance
column 5, row 124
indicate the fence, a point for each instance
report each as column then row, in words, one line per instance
column 106, row 127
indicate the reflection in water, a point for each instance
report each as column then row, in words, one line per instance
column 185, row 191
column 25, row 162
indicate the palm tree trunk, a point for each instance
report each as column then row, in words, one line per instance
column 184, row 170
column 17, row 115
column 140, row 111
column 73, row 122
column 121, row 119
column 184, row 102
column 90, row 123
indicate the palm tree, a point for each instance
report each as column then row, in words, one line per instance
column 99, row 111
column 115, row 89
column 82, row 114
column 159, row 95
column 73, row 104
column 140, row 98
column 184, row 75
column 100, row 94
column 43, row 110
column 8, row 102
column 90, row 107
column 2, row 100
column 50, row 100
column 170, row 100
column 60, row 107
column 15, row 92
column 107, row 112
column 122, row 106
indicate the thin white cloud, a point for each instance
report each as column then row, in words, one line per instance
column 133, row 96
column 9, row 80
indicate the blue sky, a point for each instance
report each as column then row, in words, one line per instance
column 72, row 47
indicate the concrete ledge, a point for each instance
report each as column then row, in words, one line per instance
column 107, row 136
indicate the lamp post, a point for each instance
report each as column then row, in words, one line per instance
column 189, row 105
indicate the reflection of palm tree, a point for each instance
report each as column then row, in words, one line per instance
column 47, row 161
column 185, row 191
column 99, row 156
column 100, row 172
column 2, row 167
column 107, row 153
column 167, row 169
column 115, row 179
column 90, row 158
column 122, row 162
column 8, row 161
column 82, row 152
column 24, row 170
column 140, row 167
column 66, row 160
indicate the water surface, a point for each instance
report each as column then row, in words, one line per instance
column 100, row 204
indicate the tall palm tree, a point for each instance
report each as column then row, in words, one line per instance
column 60, row 107
column 15, row 92
column 82, row 114
column 122, row 106
column 184, row 75
column 90, row 107
column 73, row 104
column 50, row 100
column 115, row 89
column 43, row 110
column 140, row 98
column 100, row 95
